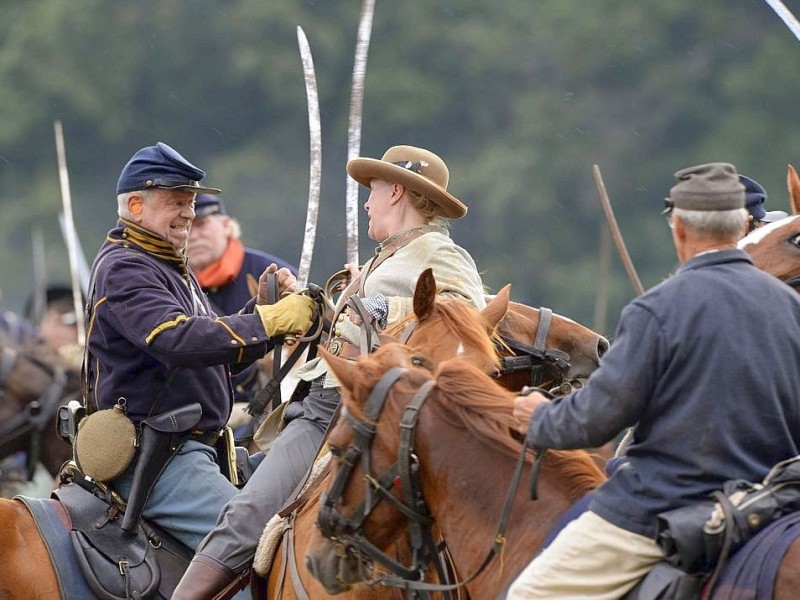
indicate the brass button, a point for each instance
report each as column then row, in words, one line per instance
column 335, row 347
column 234, row 342
column 340, row 318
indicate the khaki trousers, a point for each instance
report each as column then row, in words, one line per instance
column 589, row 559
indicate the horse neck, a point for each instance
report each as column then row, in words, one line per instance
column 466, row 482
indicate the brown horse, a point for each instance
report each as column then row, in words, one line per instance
column 464, row 455
column 775, row 248
column 23, row 556
column 456, row 435
column 34, row 381
column 441, row 329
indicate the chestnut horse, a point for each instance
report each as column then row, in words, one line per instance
column 464, row 456
column 775, row 248
column 24, row 558
column 443, row 329
column 446, row 438
column 34, row 381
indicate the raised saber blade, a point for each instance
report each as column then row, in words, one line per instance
column 786, row 16
column 66, row 199
column 83, row 266
column 315, row 149
column 354, row 124
column 39, row 296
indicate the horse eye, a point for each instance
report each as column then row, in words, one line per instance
column 418, row 360
column 335, row 451
column 795, row 240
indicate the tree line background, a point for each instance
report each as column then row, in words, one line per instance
column 520, row 97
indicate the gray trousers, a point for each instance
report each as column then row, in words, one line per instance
column 234, row 539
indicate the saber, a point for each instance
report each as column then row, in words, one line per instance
column 615, row 232
column 354, row 124
column 786, row 16
column 83, row 266
column 66, row 199
column 315, row 147
column 39, row 296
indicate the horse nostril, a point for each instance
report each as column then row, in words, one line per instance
column 602, row 346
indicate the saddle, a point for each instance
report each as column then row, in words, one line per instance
column 117, row 565
column 120, row 554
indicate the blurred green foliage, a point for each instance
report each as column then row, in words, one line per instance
column 520, row 97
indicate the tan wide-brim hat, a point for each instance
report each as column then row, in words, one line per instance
column 415, row 168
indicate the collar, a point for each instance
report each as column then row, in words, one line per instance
column 225, row 269
column 401, row 238
column 129, row 233
column 717, row 257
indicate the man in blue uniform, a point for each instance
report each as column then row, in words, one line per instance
column 754, row 198
column 227, row 271
column 700, row 370
column 220, row 260
column 154, row 340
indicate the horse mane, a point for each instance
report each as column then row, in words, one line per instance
column 460, row 318
column 476, row 401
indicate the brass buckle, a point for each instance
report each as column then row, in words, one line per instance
column 335, row 347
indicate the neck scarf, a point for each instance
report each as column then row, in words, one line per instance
column 224, row 270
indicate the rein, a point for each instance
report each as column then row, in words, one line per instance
column 271, row 391
column 347, row 533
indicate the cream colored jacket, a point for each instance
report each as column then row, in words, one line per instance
column 396, row 278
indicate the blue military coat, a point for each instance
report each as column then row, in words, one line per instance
column 705, row 365
column 152, row 336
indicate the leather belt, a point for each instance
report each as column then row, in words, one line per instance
column 343, row 349
column 209, row 438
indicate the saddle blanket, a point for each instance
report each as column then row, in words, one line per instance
column 750, row 573
column 70, row 580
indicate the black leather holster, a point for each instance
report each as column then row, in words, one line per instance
column 160, row 437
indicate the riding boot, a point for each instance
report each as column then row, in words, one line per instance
column 208, row 579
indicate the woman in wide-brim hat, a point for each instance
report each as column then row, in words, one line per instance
column 408, row 207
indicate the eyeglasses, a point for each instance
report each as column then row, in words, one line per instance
column 667, row 212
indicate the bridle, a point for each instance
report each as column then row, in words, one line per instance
column 24, row 429
column 538, row 358
column 346, row 533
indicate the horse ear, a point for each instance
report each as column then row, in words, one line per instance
column 385, row 338
column 497, row 307
column 424, row 295
column 793, row 183
column 345, row 370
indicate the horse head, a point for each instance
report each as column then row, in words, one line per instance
column 515, row 343
column 449, row 463
column 775, row 248
column 34, row 381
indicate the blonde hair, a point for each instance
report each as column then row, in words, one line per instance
column 430, row 211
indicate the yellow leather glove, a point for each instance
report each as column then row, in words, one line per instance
column 290, row 314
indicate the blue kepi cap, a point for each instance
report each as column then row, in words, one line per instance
column 208, row 204
column 755, row 196
column 161, row 166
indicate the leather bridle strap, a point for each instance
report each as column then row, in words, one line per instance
column 31, row 423
column 497, row 544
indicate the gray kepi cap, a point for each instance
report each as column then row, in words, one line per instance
column 712, row 186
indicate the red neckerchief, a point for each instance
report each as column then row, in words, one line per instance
column 224, row 270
